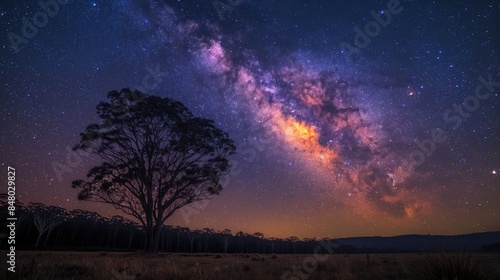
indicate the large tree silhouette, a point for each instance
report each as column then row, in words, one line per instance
column 156, row 158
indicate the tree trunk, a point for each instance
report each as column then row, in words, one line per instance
column 200, row 246
column 47, row 238
column 152, row 239
column 162, row 241
column 109, row 241
column 146, row 239
column 38, row 239
column 131, row 235
column 114, row 238
column 156, row 238
column 150, row 232
column 100, row 241
column 57, row 237
column 178, row 235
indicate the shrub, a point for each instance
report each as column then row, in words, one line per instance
column 452, row 266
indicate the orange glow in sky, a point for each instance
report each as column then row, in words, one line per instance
column 305, row 138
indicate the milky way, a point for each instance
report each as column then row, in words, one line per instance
column 327, row 145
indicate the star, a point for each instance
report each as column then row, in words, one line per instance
column 363, row 130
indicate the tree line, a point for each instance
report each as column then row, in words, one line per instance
column 43, row 227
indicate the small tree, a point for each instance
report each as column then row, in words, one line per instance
column 226, row 236
column 293, row 240
column 157, row 157
column 46, row 219
column 259, row 236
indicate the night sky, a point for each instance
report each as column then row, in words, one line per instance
column 396, row 132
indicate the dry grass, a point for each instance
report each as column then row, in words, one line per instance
column 135, row 266
column 439, row 266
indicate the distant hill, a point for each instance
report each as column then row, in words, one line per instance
column 418, row 243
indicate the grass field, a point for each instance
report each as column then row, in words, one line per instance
column 132, row 266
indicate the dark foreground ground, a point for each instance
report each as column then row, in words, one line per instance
column 134, row 266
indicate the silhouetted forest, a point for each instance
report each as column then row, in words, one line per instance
column 42, row 227
column 54, row 228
